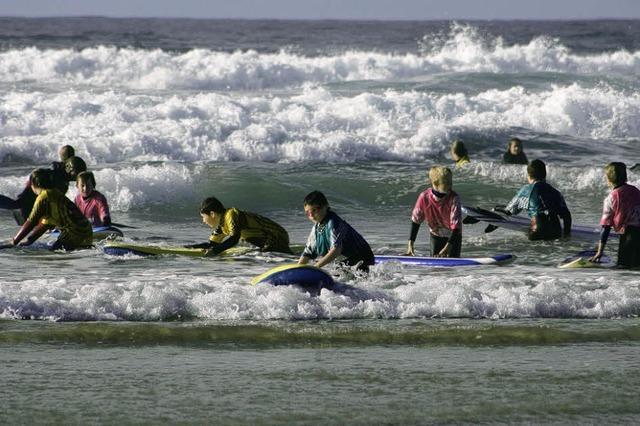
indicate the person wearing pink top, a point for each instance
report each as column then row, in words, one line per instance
column 440, row 207
column 92, row 203
column 621, row 211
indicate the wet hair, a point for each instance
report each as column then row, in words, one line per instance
column 459, row 149
column 537, row 170
column 616, row 173
column 86, row 177
column 73, row 166
column 42, row 178
column 515, row 141
column 441, row 176
column 211, row 204
column 66, row 152
column 316, row 198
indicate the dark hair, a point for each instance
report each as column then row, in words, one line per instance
column 537, row 170
column 88, row 177
column 315, row 198
column 616, row 173
column 42, row 178
column 73, row 166
column 67, row 152
column 459, row 149
column 211, row 204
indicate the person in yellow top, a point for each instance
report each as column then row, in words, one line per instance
column 52, row 209
column 232, row 225
column 459, row 153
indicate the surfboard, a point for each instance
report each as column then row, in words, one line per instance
column 447, row 262
column 115, row 248
column 99, row 233
column 307, row 277
column 522, row 223
column 581, row 261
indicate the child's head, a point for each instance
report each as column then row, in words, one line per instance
column 458, row 150
column 616, row 173
column 515, row 146
column 40, row 179
column 211, row 211
column 316, row 206
column 441, row 178
column 86, row 183
column 66, row 152
column 536, row 170
column 73, row 166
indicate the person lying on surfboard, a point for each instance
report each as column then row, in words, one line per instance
column 621, row 210
column 232, row 225
column 544, row 204
column 91, row 202
column 332, row 237
column 52, row 209
column 515, row 153
column 440, row 207
column 62, row 172
column 459, row 153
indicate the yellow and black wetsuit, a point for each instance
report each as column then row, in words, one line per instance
column 237, row 225
column 53, row 209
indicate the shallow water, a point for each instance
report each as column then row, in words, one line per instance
column 261, row 113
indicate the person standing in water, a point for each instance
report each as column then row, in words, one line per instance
column 515, row 153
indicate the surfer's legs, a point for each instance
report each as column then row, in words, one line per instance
column 438, row 243
column 629, row 248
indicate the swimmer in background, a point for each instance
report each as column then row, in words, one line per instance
column 515, row 153
column 459, row 153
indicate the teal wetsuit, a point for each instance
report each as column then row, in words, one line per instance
column 545, row 206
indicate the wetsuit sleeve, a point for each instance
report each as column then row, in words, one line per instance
column 103, row 209
column 24, row 231
column 518, row 203
column 413, row 234
column 206, row 245
column 226, row 244
column 608, row 210
column 604, row 235
column 565, row 214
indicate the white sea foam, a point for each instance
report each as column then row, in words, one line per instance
column 462, row 50
column 166, row 296
column 315, row 124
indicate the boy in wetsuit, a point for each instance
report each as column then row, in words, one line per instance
column 515, row 153
column 52, row 209
column 440, row 207
column 92, row 204
column 232, row 225
column 621, row 210
column 544, row 205
column 331, row 236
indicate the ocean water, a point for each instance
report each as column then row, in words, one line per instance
column 258, row 114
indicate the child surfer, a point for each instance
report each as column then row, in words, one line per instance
column 440, row 207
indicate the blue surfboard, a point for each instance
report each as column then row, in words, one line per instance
column 307, row 277
column 447, row 262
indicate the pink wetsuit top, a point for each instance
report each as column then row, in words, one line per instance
column 622, row 208
column 443, row 215
column 94, row 208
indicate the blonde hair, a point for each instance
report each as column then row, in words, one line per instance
column 441, row 177
column 616, row 173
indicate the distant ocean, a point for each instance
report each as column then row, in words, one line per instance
column 259, row 113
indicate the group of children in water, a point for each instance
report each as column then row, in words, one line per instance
column 43, row 205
